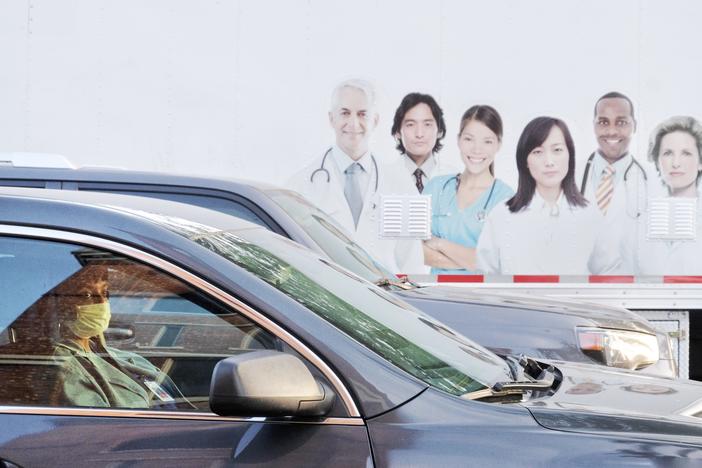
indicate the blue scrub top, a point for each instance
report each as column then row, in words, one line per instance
column 460, row 226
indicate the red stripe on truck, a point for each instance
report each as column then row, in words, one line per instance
column 682, row 279
column 536, row 278
column 460, row 278
column 610, row 279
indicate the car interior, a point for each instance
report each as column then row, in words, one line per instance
column 155, row 318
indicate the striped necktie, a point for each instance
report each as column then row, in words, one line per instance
column 418, row 179
column 605, row 189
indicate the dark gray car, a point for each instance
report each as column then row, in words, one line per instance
column 506, row 324
column 228, row 344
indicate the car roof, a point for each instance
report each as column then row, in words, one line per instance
column 109, row 202
column 253, row 191
column 97, row 173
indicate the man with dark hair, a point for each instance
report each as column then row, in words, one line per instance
column 613, row 179
column 418, row 128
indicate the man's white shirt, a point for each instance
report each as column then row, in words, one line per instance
column 432, row 167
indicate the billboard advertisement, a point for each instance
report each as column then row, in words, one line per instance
column 552, row 138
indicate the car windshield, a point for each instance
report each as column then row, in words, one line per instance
column 404, row 336
column 329, row 236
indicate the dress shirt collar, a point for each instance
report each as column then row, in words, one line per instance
column 427, row 168
column 619, row 165
column 538, row 204
column 343, row 160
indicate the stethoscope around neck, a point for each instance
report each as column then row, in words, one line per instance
column 323, row 170
column 480, row 215
column 634, row 162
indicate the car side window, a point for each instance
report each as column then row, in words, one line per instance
column 81, row 327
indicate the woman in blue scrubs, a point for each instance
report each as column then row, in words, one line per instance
column 461, row 202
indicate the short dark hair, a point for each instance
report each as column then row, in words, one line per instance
column 486, row 115
column 408, row 102
column 533, row 136
column 615, row 95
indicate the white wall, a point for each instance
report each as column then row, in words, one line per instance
column 241, row 88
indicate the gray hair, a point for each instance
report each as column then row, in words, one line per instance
column 680, row 123
column 366, row 87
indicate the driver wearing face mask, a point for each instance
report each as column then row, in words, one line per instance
column 95, row 375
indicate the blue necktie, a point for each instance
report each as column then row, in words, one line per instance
column 352, row 190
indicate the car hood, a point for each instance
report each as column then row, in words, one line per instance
column 594, row 399
column 601, row 315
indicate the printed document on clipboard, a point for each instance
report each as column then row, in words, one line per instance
column 405, row 217
column 672, row 219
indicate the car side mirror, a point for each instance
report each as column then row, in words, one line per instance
column 267, row 383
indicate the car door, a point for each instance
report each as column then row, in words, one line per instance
column 137, row 394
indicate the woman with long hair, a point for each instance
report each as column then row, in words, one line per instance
column 547, row 227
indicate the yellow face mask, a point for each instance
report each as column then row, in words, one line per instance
column 91, row 320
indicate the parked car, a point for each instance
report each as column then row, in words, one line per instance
column 506, row 324
column 228, row 344
column 260, row 351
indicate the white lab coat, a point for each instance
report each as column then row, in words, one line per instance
column 403, row 256
column 537, row 240
column 628, row 197
column 642, row 256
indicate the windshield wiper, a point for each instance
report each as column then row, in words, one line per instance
column 506, row 391
column 385, row 282
column 528, row 376
column 512, row 394
column 405, row 280
column 542, row 384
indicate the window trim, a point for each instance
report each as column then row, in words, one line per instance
column 148, row 414
column 195, row 282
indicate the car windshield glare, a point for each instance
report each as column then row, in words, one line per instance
column 400, row 334
column 329, row 236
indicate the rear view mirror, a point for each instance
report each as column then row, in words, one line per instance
column 267, row 383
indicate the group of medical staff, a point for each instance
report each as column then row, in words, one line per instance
column 481, row 225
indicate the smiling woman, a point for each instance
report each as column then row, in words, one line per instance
column 547, row 227
column 461, row 202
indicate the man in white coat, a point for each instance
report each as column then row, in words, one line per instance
column 418, row 128
column 613, row 179
column 346, row 180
